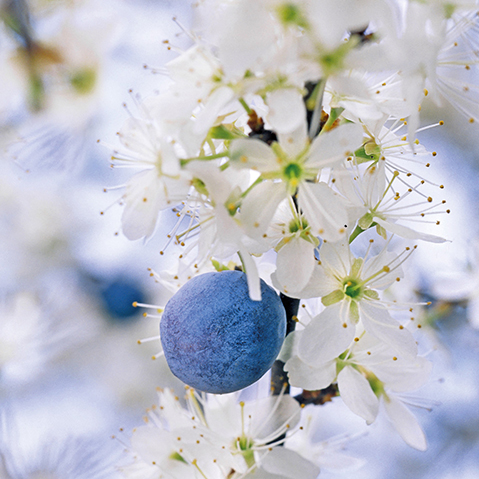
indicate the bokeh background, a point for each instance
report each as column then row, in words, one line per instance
column 72, row 373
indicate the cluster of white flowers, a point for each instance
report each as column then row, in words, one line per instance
column 217, row 436
column 290, row 126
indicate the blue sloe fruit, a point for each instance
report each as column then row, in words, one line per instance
column 215, row 338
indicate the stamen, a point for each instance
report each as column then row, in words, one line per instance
column 136, row 304
column 147, row 340
column 198, row 468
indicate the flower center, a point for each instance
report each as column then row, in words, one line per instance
column 352, row 288
column 297, row 224
column 292, row 173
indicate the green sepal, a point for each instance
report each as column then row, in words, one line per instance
column 199, row 186
column 376, row 384
column 332, row 298
column 354, row 312
column 370, row 293
column 233, row 201
column 222, row 132
column 334, row 114
column 449, row 9
column 177, row 457
column 366, row 221
column 307, row 236
column 333, row 61
column 381, row 232
column 372, row 150
column 219, row 266
column 362, row 157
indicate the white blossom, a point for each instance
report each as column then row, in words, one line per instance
column 214, row 435
column 161, row 185
column 295, row 162
column 348, row 288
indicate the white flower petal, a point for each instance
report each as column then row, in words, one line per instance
column 301, row 375
column 378, row 322
column 193, row 133
column 473, row 312
column 144, row 198
column 405, row 423
column 408, row 233
column 325, row 337
column 320, row 284
column 287, row 111
column 217, row 184
column 332, row 147
column 295, row 141
column 295, row 263
column 254, row 154
column 135, row 135
column 212, row 108
column 403, row 374
column 324, row 210
column 290, row 346
column 244, row 35
column 357, row 394
column 198, row 61
column 289, row 464
column 377, row 263
column 336, row 258
column 268, row 415
column 152, row 444
column 336, row 461
column 259, row 207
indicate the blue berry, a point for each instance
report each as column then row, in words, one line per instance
column 215, row 338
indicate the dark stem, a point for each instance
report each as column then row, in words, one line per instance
column 279, row 378
column 318, row 397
